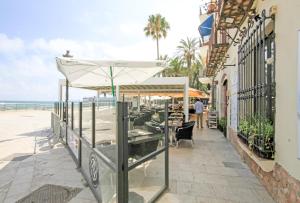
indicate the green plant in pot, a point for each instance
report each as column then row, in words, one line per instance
column 244, row 127
column 253, row 131
column 223, row 125
column 268, row 135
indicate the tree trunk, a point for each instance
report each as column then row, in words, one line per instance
column 157, row 48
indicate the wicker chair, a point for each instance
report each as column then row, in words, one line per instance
column 185, row 132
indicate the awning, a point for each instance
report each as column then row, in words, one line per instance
column 193, row 93
column 93, row 73
column 206, row 26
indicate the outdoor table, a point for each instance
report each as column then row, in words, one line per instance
column 138, row 132
column 176, row 114
column 139, row 145
column 143, row 145
column 175, row 117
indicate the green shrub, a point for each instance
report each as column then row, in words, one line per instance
column 223, row 122
column 258, row 127
column 244, row 127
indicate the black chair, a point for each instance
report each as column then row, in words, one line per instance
column 185, row 132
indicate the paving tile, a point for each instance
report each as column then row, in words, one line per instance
column 176, row 198
column 211, row 171
column 211, row 200
column 184, row 187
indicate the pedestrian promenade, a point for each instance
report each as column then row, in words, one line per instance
column 30, row 159
column 210, row 171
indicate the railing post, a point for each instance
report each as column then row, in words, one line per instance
column 63, row 111
column 67, row 110
column 80, row 135
column 93, row 125
column 72, row 115
column 122, row 152
column 166, row 146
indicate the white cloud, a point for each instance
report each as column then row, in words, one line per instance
column 28, row 70
column 32, row 74
column 10, row 45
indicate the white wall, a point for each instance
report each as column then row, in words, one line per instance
column 287, row 24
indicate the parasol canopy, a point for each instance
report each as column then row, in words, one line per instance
column 91, row 73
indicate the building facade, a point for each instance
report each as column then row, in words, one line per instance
column 253, row 60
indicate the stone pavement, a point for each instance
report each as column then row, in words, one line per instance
column 211, row 171
column 28, row 160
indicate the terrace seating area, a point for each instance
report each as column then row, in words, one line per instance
column 211, row 170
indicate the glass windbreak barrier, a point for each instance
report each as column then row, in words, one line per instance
column 101, row 178
column 147, row 144
column 69, row 113
column 105, row 131
column 147, row 179
column 87, row 121
column 76, row 117
column 145, row 131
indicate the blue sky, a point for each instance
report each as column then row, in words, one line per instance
column 33, row 33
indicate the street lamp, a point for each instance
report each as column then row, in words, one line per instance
column 67, row 54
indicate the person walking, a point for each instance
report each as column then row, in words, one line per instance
column 199, row 112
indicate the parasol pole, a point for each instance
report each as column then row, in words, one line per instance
column 112, row 81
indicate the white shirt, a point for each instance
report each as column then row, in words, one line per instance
column 199, row 107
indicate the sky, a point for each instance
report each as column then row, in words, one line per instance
column 33, row 33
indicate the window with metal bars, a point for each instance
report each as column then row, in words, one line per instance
column 256, row 87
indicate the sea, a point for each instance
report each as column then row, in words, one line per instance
column 26, row 105
column 49, row 105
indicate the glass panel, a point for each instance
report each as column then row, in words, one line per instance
column 76, row 117
column 73, row 142
column 70, row 113
column 147, row 179
column 87, row 121
column 145, row 130
column 101, row 178
column 106, row 129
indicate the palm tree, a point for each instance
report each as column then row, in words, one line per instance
column 186, row 53
column 157, row 27
column 176, row 67
column 197, row 68
column 187, row 50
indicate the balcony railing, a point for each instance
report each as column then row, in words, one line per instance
column 229, row 14
column 217, row 48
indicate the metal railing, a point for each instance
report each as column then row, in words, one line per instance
column 25, row 106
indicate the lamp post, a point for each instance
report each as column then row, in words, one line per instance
column 67, row 55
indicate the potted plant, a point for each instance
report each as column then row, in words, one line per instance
column 244, row 130
column 261, row 137
column 268, row 139
column 211, row 7
column 253, row 132
column 223, row 125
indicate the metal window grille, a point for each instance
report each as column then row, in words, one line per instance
column 256, row 88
